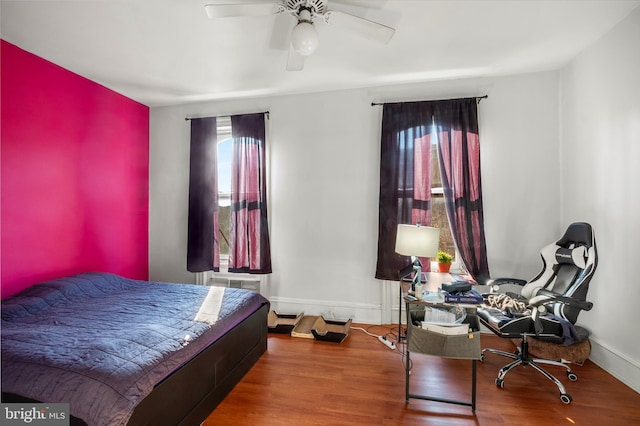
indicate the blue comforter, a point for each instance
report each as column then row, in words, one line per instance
column 101, row 342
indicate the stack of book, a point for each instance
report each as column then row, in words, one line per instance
column 471, row 296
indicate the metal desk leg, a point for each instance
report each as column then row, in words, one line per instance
column 473, row 386
column 400, row 311
column 407, row 370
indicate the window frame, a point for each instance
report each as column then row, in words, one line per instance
column 224, row 134
column 437, row 192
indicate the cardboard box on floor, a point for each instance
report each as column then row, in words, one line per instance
column 309, row 327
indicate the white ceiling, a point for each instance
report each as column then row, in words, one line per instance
column 162, row 52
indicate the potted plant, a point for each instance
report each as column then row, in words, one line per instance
column 444, row 261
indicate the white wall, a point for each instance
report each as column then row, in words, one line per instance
column 600, row 144
column 556, row 147
column 520, row 172
column 324, row 164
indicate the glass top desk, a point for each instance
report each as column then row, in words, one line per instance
column 419, row 340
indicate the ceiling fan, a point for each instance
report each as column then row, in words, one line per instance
column 304, row 37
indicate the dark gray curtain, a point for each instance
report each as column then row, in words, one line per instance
column 459, row 158
column 203, row 248
column 406, row 129
column 249, row 247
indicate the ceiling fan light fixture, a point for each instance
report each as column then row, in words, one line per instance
column 304, row 37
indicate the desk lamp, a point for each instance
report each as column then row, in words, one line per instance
column 417, row 241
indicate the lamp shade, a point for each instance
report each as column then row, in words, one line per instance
column 415, row 240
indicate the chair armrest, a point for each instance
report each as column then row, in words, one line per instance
column 493, row 285
column 502, row 281
column 545, row 297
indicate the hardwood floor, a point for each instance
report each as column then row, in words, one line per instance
column 361, row 382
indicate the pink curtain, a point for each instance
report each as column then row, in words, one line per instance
column 249, row 247
column 421, row 210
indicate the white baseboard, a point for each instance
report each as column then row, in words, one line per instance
column 619, row 366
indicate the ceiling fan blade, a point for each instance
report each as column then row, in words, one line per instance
column 369, row 4
column 280, row 37
column 295, row 61
column 246, row 9
column 368, row 29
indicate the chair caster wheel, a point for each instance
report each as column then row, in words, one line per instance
column 572, row 376
column 566, row 398
column 500, row 383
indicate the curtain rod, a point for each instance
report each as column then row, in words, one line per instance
column 478, row 99
column 229, row 115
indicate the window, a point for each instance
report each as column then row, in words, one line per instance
column 242, row 207
column 409, row 178
column 225, row 150
column 439, row 218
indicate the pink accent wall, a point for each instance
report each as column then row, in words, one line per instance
column 74, row 175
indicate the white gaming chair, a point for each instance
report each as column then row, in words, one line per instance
column 552, row 302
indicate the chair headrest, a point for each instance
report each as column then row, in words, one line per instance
column 574, row 256
column 578, row 233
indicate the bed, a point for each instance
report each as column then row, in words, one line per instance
column 129, row 352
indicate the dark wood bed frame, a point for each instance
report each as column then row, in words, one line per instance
column 190, row 394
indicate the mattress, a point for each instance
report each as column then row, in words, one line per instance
column 101, row 342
